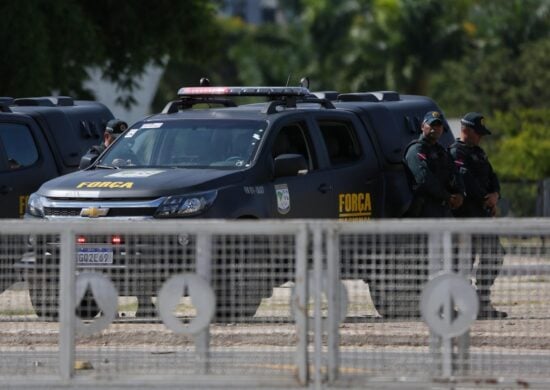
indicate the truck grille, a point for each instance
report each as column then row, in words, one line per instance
column 62, row 212
column 113, row 212
column 131, row 208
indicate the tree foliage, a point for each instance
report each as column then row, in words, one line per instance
column 504, row 74
column 469, row 55
column 523, row 143
column 49, row 46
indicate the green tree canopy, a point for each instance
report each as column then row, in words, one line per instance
column 48, row 46
column 523, row 148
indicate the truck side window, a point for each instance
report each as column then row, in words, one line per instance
column 340, row 141
column 293, row 139
column 19, row 145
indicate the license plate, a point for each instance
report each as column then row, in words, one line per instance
column 91, row 256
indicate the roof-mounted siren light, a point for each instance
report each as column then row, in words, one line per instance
column 204, row 82
column 242, row 91
column 304, row 82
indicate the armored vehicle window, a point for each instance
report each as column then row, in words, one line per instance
column 293, row 139
column 340, row 141
column 18, row 144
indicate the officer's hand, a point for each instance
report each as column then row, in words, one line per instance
column 493, row 211
column 491, row 200
column 455, row 201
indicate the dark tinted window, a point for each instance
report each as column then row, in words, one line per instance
column 294, row 139
column 18, row 145
column 340, row 141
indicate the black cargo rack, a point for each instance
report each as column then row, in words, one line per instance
column 5, row 103
column 45, row 101
column 188, row 102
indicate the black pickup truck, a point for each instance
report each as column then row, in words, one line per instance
column 297, row 155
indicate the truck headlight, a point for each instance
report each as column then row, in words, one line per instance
column 35, row 205
column 186, row 205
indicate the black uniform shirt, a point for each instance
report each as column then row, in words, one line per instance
column 478, row 176
column 433, row 170
column 434, row 175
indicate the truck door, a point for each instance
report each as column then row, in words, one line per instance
column 304, row 195
column 24, row 165
column 351, row 167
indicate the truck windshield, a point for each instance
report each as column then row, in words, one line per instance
column 216, row 144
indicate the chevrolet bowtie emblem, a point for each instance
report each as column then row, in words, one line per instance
column 94, row 212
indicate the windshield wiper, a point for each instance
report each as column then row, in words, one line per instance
column 106, row 166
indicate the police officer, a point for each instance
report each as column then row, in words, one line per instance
column 482, row 193
column 113, row 129
column 435, row 182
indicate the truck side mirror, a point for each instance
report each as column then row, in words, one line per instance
column 87, row 160
column 289, row 165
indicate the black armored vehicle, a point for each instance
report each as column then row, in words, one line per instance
column 40, row 138
column 297, row 155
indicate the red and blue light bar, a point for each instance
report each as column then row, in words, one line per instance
column 242, row 91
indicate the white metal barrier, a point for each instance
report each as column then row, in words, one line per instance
column 301, row 303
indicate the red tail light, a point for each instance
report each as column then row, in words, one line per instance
column 81, row 240
column 115, row 240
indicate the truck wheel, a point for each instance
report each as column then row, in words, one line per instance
column 394, row 302
column 231, row 307
column 240, row 266
column 44, row 296
column 12, row 248
column 397, row 295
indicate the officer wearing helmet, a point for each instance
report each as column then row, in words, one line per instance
column 113, row 129
column 482, row 193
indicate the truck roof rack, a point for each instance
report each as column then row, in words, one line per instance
column 378, row 96
column 45, row 101
column 290, row 102
column 188, row 102
column 330, row 95
column 5, row 103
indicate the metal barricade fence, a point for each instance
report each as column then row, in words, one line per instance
column 454, row 268
column 275, row 303
column 143, row 337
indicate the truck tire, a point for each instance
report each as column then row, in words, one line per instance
column 232, row 307
column 394, row 267
column 396, row 293
column 392, row 299
column 239, row 276
column 44, row 294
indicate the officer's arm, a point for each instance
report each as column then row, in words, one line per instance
column 427, row 183
column 471, row 186
column 493, row 194
column 457, row 186
column 494, row 184
column 458, row 182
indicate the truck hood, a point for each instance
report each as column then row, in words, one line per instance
column 137, row 183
